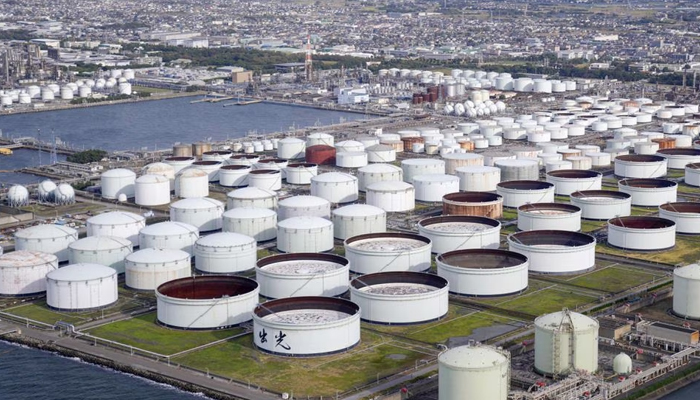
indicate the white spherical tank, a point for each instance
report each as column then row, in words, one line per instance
column 567, row 181
column 400, row 297
column 555, row 251
column 374, row 173
column 306, row 326
column 303, row 206
column 545, row 216
column 484, row 272
column 109, row 251
column 300, row 173
column 431, row 188
column 65, row 194
column 478, row 178
column 117, row 181
column 413, row 167
column 147, row 269
column 291, row 148
column 305, row 235
column 517, row 193
column 191, row 183
column 686, row 215
column 459, row 232
column 79, row 287
column 225, row 253
column 116, row 223
column 388, row 251
column 152, row 190
column 566, row 342
column 391, row 196
column 641, row 233
column 686, row 291
column 602, row 204
column 17, row 196
column 169, row 235
column 234, row 175
column 640, row 166
column 302, row 274
column 258, row 223
column 336, row 187
column 622, row 364
column 474, row 372
column 357, row 219
column 47, row 238
column 204, row 213
column 649, row 192
column 251, row 197
column 206, row 302
column 23, row 272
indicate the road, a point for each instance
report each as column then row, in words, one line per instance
column 393, row 382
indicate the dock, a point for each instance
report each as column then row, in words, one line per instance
column 243, row 103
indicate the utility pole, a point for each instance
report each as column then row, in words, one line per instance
column 308, row 63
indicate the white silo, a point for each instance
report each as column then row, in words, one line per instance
column 358, row 219
column 432, row 187
column 149, row 268
column 117, row 181
column 152, row 190
column 225, row 253
column 565, row 342
column 191, row 183
column 380, row 172
column 258, row 223
column 336, row 187
column 251, row 197
column 351, row 159
column 686, row 291
column 473, row 372
column 23, row 272
column 79, row 287
column 179, row 163
column 291, row 148
column 478, row 178
column 380, row 153
column 234, row 175
column 391, row 196
column 300, row 173
column 104, row 250
column 349, row 146
column 421, row 166
column 47, row 94
column 17, row 196
column 66, row 93
column 622, row 364
column 204, row 213
column 210, row 167
column 45, row 190
column 305, row 235
column 319, row 138
column 117, row 223
column 303, row 206
column 169, row 235
column 47, row 238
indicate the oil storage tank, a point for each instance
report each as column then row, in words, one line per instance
column 303, row 206
column 23, row 272
column 400, row 297
column 456, row 160
column 544, row 216
column 388, row 251
column 641, row 233
column 117, row 223
column 473, row 372
column 109, row 251
column 251, row 197
column 686, row 215
column 692, row 174
column 478, row 178
column 206, row 302
column 79, row 287
column 116, row 182
column 357, row 219
column 191, row 183
column 46, row 238
column 421, row 166
column 602, row 204
column 323, row 154
column 300, row 173
column 374, row 173
column 391, row 196
column 302, row 274
column 473, row 203
column 304, row 235
column 258, row 223
column 234, row 175
column 225, row 253
column 566, row 342
column 203, row 213
column 306, row 326
column 640, row 166
column 649, row 192
column 179, row 162
column 679, row 158
column 567, row 181
column 518, row 170
column 484, row 272
column 147, row 269
column 458, row 232
column 169, row 235
column 517, row 193
column 152, row 190
column 270, row 179
column 336, row 187
column 686, row 291
column 291, row 148
column 555, row 251
column 432, row 187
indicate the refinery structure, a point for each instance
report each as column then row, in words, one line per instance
column 522, row 238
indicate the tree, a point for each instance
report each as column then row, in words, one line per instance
column 87, row 156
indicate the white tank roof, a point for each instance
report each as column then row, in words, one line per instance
column 100, row 243
column 389, row 186
column 251, row 193
column 291, row 140
column 554, row 320
column 152, row 179
column 249, row 212
column 379, row 147
column 116, row 218
column 304, row 223
column 691, row 271
column 435, row 178
column 26, row 258
column 150, row 256
column 191, row 172
column 468, row 357
column 46, row 231
column 350, row 143
column 476, row 169
column 462, row 156
column 119, row 173
column 303, row 201
column 358, row 210
column 380, row 168
column 197, row 203
column 158, row 168
column 169, row 228
column 422, row 161
column 81, row 272
column 333, row 177
column 225, row 239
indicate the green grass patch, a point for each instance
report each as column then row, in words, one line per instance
column 461, row 324
column 40, row 312
column 614, row 279
column 683, row 188
column 144, row 89
column 317, row 376
column 548, row 300
column 509, row 214
column 144, row 333
column 590, row 226
column 686, row 251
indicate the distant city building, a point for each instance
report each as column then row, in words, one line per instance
column 52, row 43
column 353, row 96
column 242, row 76
column 599, row 66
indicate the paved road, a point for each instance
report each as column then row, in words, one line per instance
column 392, row 383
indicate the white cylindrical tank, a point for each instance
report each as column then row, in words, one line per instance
column 517, row 193
column 566, row 342
column 686, row 215
column 686, row 291
column 300, row 173
column 351, row 159
column 380, row 153
column 460, row 232
column 555, row 251
column 291, row 148
column 374, row 173
column 421, row 166
column 640, row 166
column 116, row 223
column 117, row 181
column 78, row 287
column 400, row 297
column 679, row 158
column 191, row 183
column 457, row 160
column 484, row 272
column 646, row 148
column 547, row 216
column 147, row 269
column 478, row 178
column 641, row 233
column 649, row 192
column 225, row 253
column 179, row 163
column 270, row 179
column 251, row 197
column 210, row 167
column 23, row 272
column 305, row 235
column 383, row 252
column 258, row 223
column 602, row 204
column 317, row 138
column 336, row 187
column 518, row 170
column 567, row 181
column 104, row 250
column 391, row 196
column 152, row 190
column 169, row 235
column 358, row 219
column 159, row 168
column 234, row 175
column 474, row 372
column 303, row 206
column 349, row 146
column 431, row 188
column 302, row 274
column 204, row 213
column 692, row 174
